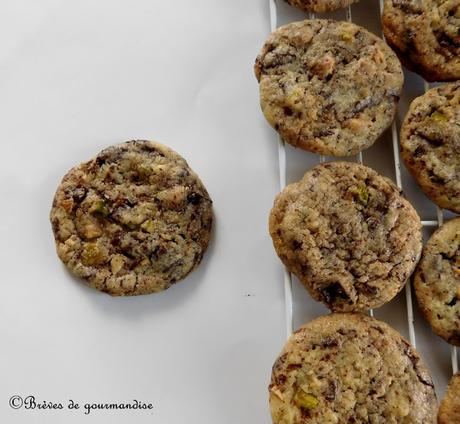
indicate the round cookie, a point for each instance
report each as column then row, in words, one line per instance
column 350, row 368
column 328, row 87
column 425, row 35
column 437, row 282
column 320, row 6
column 347, row 234
column 449, row 410
column 430, row 144
column 133, row 220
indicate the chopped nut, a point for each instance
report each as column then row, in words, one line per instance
column 361, row 194
column 67, row 204
column 92, row 254
column 324, row 67
column 117, row 263
column 149, row 226
column 438, row 116
column 100, row 207
column 305, row 400
column 348, row 36
column 91, row 230
column 356, row 125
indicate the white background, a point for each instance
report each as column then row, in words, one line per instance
column 79, row 76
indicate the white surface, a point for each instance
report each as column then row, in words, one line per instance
column 79, row 76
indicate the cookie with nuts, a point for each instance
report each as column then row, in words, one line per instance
column 133, row 220
column 348, row 234
column 425, row 35
column 328, row 87
column 437, row 282
column 430, row 144
column 350, row 368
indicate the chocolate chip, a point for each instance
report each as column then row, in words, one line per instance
column 194, row 198
column 288, row 111
column 452, row 302
column 296, row 244
column 334, row 291
column 419, row 151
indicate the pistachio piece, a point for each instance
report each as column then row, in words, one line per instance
column 100, row 207
column 361, row 194
column 438, row 116
column 148, row 226
column 348, row 37
column 92, row 254
column 305, row 400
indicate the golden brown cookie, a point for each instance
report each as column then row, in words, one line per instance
column 437, row 282
column 319, row 6
column 426, row 36
column 348, row 235
column 328, row 87
column 133, row 220
column 430, row 144
column 449, row 410
column 350, row 368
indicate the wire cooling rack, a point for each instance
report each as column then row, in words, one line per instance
column 282, row 162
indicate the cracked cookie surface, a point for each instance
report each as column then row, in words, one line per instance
column 328, row 87
column 437, row 282
column 348, row 235
column 430, row 144
column 350, row 368
column 426, row 36
column 320, row 6
column 133, row 220
column 449, row 410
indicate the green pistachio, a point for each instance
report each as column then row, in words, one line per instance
column 361, row 194
column 148, row 226
column 305, row 400
column 92, row 254
column 348, row 36
column 100, row 207
column 438, row 116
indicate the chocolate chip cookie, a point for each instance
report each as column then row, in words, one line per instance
column 449, row 410
column 347, row 234
column 430, row 144
column 320, row 6
column 425, row 35
column 328, row 87
column 437, row 282
column 133, row 220
column 350, row 368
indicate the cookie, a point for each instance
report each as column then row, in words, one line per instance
column 437, row 282
column 350, row 368
column 425, row 35
column 449, row 410
column 348, row 235
column 430, row 144
column 320, row 6
column 328, row 87
column 133, row 220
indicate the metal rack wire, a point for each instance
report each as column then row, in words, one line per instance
column 397, row 167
